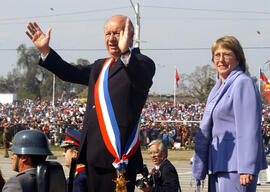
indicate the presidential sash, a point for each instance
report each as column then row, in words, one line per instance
column 109, row 127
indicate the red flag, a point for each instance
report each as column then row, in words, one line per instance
column 177, row 78
column 263, row 77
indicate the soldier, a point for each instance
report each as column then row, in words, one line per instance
column 71, row 146
column 30, row 148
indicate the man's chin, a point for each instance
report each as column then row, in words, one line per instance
column 115, row 53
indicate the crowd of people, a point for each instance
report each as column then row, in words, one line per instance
column 53, row 119
column 42, row 115
column 176, row 125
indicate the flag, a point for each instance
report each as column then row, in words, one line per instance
column 177, row 78
column 263, row 77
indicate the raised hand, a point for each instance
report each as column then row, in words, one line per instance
column 40, row 40
column 126, row 37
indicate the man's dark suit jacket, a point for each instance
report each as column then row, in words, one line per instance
column 128, row 89
column 168, row 181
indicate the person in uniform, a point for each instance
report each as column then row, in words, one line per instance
column 71, row 145
column 30, row 147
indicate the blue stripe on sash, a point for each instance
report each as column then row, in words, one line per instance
column 111, row 112
column 131, row 138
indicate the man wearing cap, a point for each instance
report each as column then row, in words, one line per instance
column 71, row 146
column 30, row 147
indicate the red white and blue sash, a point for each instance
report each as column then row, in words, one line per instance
column 108, row 124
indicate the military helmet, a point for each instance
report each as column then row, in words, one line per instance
column 30, row 142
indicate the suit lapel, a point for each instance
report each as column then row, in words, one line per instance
column 214, row 92
column 219, row 90
column 227, row 83
column 163, row 164
column 116, row 67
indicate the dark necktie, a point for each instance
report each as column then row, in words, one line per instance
column 112, row 63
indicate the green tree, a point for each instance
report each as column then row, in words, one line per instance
column 12, row 83
column 199, row 83
column 67, row 89
column 29, row 80
column 81, row 89
column 32, row 74
column 204, row 89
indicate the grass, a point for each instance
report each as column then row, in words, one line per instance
column 174, row 155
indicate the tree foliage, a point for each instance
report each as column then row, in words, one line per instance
column 12, row 83
column 29, row 80
column 198, row 84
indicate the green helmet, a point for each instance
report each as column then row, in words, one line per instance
column 30, row 142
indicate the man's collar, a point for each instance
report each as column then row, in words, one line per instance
column 158, row 166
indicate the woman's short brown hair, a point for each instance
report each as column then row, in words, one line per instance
column 230, row 42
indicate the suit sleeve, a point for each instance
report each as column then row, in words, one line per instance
column 12, row 185
column 247, row 110
column 141, row 70
column 71, row 73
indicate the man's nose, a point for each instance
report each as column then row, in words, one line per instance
column 152, row 155
column 112, row 37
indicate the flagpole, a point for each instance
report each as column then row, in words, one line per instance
column 53, row 90
column 174, row 90
column 259, row 79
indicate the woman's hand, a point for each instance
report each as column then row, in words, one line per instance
column 246, row 179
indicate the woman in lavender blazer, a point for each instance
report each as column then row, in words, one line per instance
column 229, row 145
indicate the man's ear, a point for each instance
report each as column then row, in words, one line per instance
column 25, row 158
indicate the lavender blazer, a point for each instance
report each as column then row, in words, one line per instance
column 229, row 138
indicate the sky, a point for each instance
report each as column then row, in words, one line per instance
column 176, row 34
